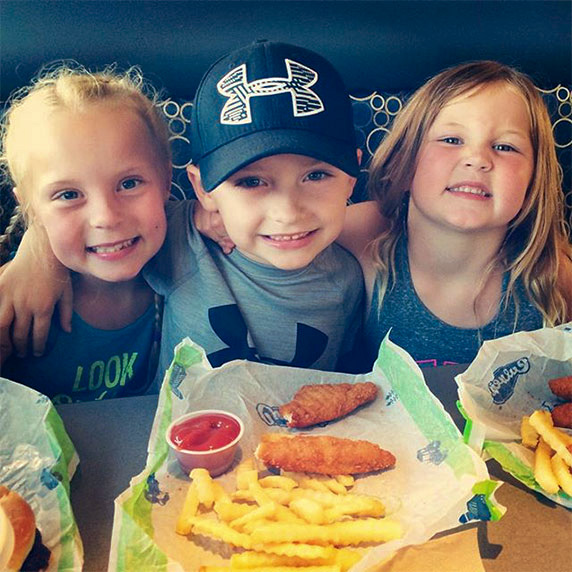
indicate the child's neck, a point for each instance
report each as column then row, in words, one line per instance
column 110, row 305
column 454, row 274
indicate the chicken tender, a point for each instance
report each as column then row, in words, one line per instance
column 562, row 387
column 314, row 404
column 322, row 454
column 562, row 415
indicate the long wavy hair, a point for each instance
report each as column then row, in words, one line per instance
column 535, row 238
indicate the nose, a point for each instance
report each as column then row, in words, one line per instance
column 286, row 205
column 105, row 211
column 478, row 158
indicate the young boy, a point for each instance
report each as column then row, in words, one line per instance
column 274, row 154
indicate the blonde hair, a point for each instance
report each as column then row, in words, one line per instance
column 70, row 86
column 530, row 251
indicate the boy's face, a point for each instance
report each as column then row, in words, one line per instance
column 282, row 210
column 99, row 191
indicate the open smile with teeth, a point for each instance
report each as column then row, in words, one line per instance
column 288, row 237
column 469, row 190
column 112, row 247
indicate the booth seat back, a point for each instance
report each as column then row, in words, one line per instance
column 373, row 116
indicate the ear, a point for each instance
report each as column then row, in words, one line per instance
column 205, row 198
column 359, row 153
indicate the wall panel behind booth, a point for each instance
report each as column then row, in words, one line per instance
column 384, row 50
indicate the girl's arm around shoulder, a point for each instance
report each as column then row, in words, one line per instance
column 363, row 224
column 30, row 287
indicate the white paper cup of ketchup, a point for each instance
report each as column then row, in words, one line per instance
column 207, row 439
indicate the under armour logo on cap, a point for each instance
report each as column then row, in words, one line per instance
column 235, row 86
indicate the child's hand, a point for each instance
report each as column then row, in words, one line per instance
column 210, row 224
column 30, row 287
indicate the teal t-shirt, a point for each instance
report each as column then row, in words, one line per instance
column 89, row 364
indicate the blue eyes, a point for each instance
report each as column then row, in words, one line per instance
column 67, row 195
column 255, row 182
column 249, row 182
column 451, row 140
column 503, row 147
column 129, row 184
column 458, row 141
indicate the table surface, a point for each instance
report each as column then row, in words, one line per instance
column 111, row 437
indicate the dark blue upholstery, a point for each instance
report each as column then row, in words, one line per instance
column 373, row 116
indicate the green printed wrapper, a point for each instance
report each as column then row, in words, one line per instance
column 507, row 380
column 438, row 483
column 38, row 460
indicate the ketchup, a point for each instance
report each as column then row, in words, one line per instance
column 205, row 432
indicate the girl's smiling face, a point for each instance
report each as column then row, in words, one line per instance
column 475, row 162
column 282, row 210
column 97, row 188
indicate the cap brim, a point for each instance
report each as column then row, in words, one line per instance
column 220, row 164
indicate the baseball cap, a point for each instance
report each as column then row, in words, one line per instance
column 269, row 98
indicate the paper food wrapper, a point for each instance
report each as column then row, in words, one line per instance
column 509, row 379
column 38, row 460
column 438, row 481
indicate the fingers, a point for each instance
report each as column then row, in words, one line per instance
column 21, row 332
column 40, row 331
column 65, row 307
column 6, row 317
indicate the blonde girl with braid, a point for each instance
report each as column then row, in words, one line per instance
column 89, row 161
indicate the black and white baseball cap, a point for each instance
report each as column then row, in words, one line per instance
column 270, row 98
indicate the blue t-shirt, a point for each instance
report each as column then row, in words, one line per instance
column 89, row 364
column 430, row 341
column 236, row 308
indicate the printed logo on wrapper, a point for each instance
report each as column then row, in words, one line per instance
column 504, row 381
column 432, row 453
column 153, row 492
column 270, row 414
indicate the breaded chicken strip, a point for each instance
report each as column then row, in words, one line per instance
column 322, row 454
column 314, row 404
column 562, row 415
column 562, row 387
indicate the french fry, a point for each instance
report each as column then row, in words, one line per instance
column 346, row 533
column 562, row 473
column 189, row 510
column 228, row 510
column 528, row 434
column 264, row 511
column 205, row 490
column 246, row 474
column 325, row 568
column 278, row 482
column 221, row 531
column 287, row 522
column 343, row 557
column 541, row 420
column 308, row 509
column 543, row 468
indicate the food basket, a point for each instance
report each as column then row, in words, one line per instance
column 38, row 460
column 438, row 482
column 507, row 380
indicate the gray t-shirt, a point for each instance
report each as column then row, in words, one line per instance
column 430, row 341
column 236, row 308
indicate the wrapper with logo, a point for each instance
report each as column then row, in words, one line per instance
column 438, row 483
column 509, row 379
column 38, row 460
